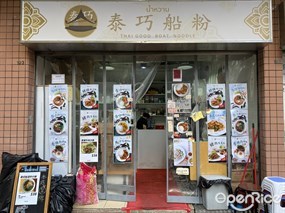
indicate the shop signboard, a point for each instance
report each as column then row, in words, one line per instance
column 204, row 21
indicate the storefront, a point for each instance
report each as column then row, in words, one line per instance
column 195, row 73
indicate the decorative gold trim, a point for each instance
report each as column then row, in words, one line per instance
column 32, row 21
column 259, row 20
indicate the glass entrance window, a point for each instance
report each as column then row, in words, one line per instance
column 180, row 92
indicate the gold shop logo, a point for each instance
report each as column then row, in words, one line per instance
column 80, row 21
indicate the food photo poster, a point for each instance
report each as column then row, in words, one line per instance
column 216, row 96
column 216, row 122
column 122, row 149
column 89, row 122
column 89, row 146
column 122, row 122
column 182, row 152
column 240, row 149
column 28, row 188
column 181, row 95
column 217, row 149
column 182, row 126
column 238, row 96
column 89, row 96
column 58, row 149
column 58, row 97
column 122, row 96
column 239, row 118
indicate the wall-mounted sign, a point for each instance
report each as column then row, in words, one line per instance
column 205, row 21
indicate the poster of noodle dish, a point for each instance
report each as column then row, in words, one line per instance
column 58, row 97
column 216, row 122
column 217, row 149
column 182, row 152
column 122, row 96
column 216, row 96
column 89, row 96
column 238, row 96
column 88, row 149
column 89, row 124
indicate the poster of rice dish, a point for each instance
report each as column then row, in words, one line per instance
column 216, row 96
column 239, row 119
column 89, row 122
column 89, row 147
column 182, row 126
column 217, row 149
column 58, row 149
column 238, row 96
column 216, row 122
column 181, row 95
column 28, row 188
column 240, row 149
column 89, row 96
column 122, row 96
column 122, row 122
column 58, row 97
column 58, row 123
column 122, row 149
column 182, row 152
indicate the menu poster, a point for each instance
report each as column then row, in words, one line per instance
column 89, row 124
column 239, row 119
column 238, row 96
column 181, row 95
column 240, row 149
column 122, row 150
column 122, row 122
column 182, row 152
column 58, row 121
column 122, row 96
column 58, row 96
column 216, row 96
column 89, row 96
column 182, row 127
column 88, row 149
column 28, row 188
column 58, row 149
column 216, row 122
column 217, row 149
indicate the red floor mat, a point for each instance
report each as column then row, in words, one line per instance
column 151, row 192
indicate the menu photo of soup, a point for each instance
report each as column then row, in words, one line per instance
column 58, row 96
column 89, row 122
column 239, row 118
column 122, row 149
column 217, row 149
column 28, row 188
column 216, row 96
column 122, row 96
column 58, row 123
column 238, row 96
column 240, row 149
column 182, row 127
column 182, row 152
column 216, row 122
column 89, row 96
column 89, row 149
column 58, row 149
column 123, row 122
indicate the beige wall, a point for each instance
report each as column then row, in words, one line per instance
column 16, row 83
column 17, row 92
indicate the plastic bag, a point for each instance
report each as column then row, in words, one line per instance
column 9, row 163
column 62, row 194
column 86, row 185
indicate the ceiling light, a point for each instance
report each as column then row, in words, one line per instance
column 185, row 67
column 108, row 67
column 143, row 65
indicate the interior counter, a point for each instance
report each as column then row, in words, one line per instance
column 151, row 149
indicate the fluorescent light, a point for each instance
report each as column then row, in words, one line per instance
column 185, row 67
column 107, row 68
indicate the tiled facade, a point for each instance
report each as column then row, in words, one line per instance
column 17, row 71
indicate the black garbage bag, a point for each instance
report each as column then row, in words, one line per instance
column 9, row 165
column 206, row 184
column 62, row 194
